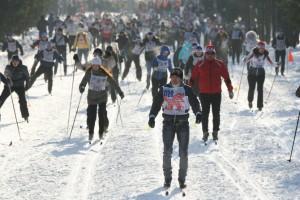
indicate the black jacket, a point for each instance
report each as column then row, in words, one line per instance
column 17, row 74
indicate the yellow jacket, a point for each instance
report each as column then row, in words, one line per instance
column 81, row 41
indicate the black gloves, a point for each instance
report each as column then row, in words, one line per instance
column 198, row 118
column 81, row 88
column 26, row 86
column 151, row 122
column 76, row 58
column 121, row 95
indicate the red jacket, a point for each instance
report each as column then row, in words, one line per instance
column 209, row 73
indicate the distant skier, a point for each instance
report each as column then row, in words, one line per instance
column 12, row 46
column 209, row 72
column 46, row 58
column 16, row 74
column 280, row 43
column 175, row 99
column 96, row 78
column 256, row 72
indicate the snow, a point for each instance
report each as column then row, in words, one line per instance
column 249, row 162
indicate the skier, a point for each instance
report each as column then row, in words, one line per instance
column 16, row 74
column 250, row 43
column 42, row 25
column 222, row 46
column 209, row 72
column 256, row 72
column 175, row 98
column 41, row 43
column 160, row 64
column 150, row 42
column 192, row 61
column 236, row 40
column 82, row 43
column 96, row 77
column 60, row 41
column 46, row 58
column 134, row 56
column 12, row 46
column 280, row 43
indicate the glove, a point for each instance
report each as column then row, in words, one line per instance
column 81, row 89
column 231, row 94
column 22, row 53
column 151, row 122
column 198, row 118
column 9, row 83
column 73, row 49
column 76, row 58
column 121, row 95
column 244, row 60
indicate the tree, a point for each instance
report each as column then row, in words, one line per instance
column 17, row 16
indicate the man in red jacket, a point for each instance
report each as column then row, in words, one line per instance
column 209, row 72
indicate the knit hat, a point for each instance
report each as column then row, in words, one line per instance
column 150, row 33
column 44, row 34
column 96, row 61
column 98, row 51
column 210, row 49
column 15, row 57
column 261, row 44
column 49, row 43
column 178, row 72
column 199, row 48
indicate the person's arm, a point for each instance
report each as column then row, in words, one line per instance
column 19, row 46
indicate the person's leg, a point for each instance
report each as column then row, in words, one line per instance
column 216, row 104
column 260, row 91
column 251, row 83
column 5, row 93
column 22, row 101
column 91, row 118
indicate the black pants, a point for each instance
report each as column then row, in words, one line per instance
column 136, row 60
column 281, row 55
column 236, row 51
column 157, row 84
column 48, row 75
column 102, row 114
column 213, row 100
column 22, row 99
column 252, row 80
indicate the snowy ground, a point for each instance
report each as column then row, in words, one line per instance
column 249, row 162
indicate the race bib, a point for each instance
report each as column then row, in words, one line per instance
column 175, row 101
column 48, row 56
column 97, row 83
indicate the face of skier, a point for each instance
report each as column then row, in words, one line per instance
column 175, row 80
column 15, row 63
column 261, row 50
column 210, row 55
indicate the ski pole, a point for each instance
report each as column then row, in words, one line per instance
column 271, row 89
column 60, row 71
column 119, row 112
column 15, row 113
column 75, row 116
column 294, row 138
column 141, row 97
column 237, row 96
column 128, row 84
column 27, row 97
column 71, row 99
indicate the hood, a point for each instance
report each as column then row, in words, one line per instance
column 250, row 35
column 164, row 48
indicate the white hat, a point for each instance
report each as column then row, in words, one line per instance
column 96, row 61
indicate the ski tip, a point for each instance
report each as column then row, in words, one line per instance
column 10, row 143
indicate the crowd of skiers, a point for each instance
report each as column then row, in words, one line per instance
column 195, row 73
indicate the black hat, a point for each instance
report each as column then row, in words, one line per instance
column 15, row 57
column 178, row 72
column 98, row 51
column 109, row 48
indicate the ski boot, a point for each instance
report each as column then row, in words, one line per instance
column 182, row 184
column 205, row 136
column 250, row 105
column 91, row 135
column 215, row 135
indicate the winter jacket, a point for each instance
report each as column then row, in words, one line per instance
column 61, row 42
column 209, row 73
column 280, row 43
column 42, row 44
column 123, row 42
column 17, row 74
column 161, row 64
column 177, row 106
column 97, row 97
column 12, row 47
column 150, row 47
column 48, row 61
column 193, row 59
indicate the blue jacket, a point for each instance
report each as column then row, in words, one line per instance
column 40, row 57
column 161, row 63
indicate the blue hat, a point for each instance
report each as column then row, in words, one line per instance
column 49, row 43
column 199, row 48
column 44, row 34
column 150, row 33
